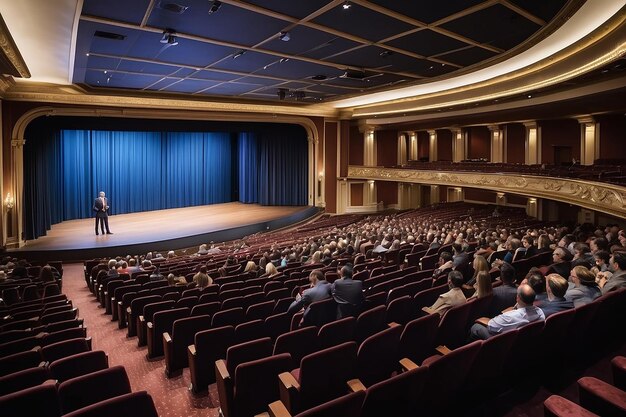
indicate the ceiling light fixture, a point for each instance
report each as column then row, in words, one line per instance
column 284, row 36
column 169, row 37
column 283, row 60
column 346, row 5
column 239, row 53
column 214, row 6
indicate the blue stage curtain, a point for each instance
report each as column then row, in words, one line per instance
column 139, row 171
column 273, row 168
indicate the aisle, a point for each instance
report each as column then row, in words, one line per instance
column 171, row 396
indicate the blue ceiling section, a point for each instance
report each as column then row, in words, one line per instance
column 310, row 50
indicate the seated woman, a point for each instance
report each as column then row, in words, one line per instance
column 483, row 285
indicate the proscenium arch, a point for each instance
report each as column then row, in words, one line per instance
column 18, row 141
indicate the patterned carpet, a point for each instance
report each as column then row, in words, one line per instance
column 171, row 396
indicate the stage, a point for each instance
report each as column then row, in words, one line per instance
column 160, row 230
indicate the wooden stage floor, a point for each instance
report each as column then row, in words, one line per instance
column 167, row 229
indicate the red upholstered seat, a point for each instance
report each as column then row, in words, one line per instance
column 260, row 310
column 370, row 322
column 175, row 345
column 209, row 346
column 618, row 366
column 298, row 343
column 40, row 401
column 601, row 397
column 136, row 404
column 79, row 364
column 336, row 332
column 377, row 357
column 229, row 317
column 162, row 322
column 417, row 340
column 347, row 406
column 20, row 380
column 399, row 395
column 147, row 316
column 65, row 348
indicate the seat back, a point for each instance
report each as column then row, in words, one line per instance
column 370, row 322
column 298, row 343
column 150, row 309
column 377, row 357
column 336, row 332
column 321, row 312
column 350, row 405
column 282, row 305
column 256, row 385
column 250, row 330
column 260, row 310
column 56, row 317
column 79, row 364
column 556, row 337
column 231, row 317
column 40, row 401
column 208, row 309
column 487, row 367
column 417, row 340
column 188, row 302
column 210, row 345
column 452, row 331
column 521, row 357
column 137, row 304
column 402, row 392
column 27, row 378
column 401, row 310
column 233, row 302
column 76, row 332
column 65, row 348
column 323, row 374
column 246, row 352
column 19, row 361
column 136, row 404
column 183, row 334
column 91, row 388
column 428, row 297
column 277, row 324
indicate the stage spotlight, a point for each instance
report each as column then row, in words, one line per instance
column 346, row 5
column 284, row 36
column 169, row 37
column 214, row 6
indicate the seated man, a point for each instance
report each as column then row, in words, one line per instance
column 348, row 293
column 320, row 290
column 525, row 313
column 556, row 287
column 504, row 296
column 450, row 299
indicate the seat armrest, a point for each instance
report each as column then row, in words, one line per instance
column 356, row 385
column 289, row 388
column 428, row 310
column 150, row 325
column 128, row 310
column 393, row 324
column 407, row 364
column 221, row 370
column 483, row 320
column 278, row 409
column 43, row 364
column 192, row 350
column 167, row 338
column 142, row 319
column 443, row 350
column 288, row 381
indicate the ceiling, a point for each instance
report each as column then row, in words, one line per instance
column 332, row 52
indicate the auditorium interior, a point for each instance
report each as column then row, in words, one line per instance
column 338, row 208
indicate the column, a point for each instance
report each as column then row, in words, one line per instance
column 369, row 193
column 589, row 140
column 532, row 207
column 455, row 194
column 369, row 148
column 402, row 148
column 415, row 196
column 432, row 145
column 413, row 149
column 434, row 194
column 17, row 160
column 533, row 143
column 458, row 145
column 497, row 143
column 501, row 199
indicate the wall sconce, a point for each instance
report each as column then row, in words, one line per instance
column 9, row 202
column 320, row 178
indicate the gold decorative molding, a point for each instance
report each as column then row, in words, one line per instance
column 11, row 61
column 602, row 197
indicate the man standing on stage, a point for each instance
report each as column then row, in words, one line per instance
column 101, row 207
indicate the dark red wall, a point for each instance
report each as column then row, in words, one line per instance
column 387, row 148
column 564, row 132
column 480, row 195
column 387, row 192
column 443, row 193
column 515, row 143
column 612, row 136
column 444, row 145
column 478, row 142
column 356, row 194
column 423, row 148
column 356, row 146
column 516, row 199
column 344, row 132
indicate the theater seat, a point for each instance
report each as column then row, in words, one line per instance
column 244, row 352
column 336, row 332
column 557, row 406
column 417, row 341
column 321, row 377
column 39, row 401
column 253, row 386
column 175, row 345
column 298, row 343
column 66, row 348
column 162, row 322
column 618, row 366
column 79, row 364
column 348, row 405
column 147, row 316
column 136, row 404
column 370, row 322
column 23, row 379
column 208, row 347
column 135, row 310
column 377, row 357
column 230, row 317
column 20, row 361
column 91, row 388
column 601, row 397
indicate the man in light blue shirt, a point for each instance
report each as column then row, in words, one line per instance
column 525, row 313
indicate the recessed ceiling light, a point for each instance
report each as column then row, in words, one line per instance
column 386, row 53
column 530, row 96
column 214, row 6
column 284, row 36
column 87, row 54
column 346, row 5
column 283, row 60
column 239, row 53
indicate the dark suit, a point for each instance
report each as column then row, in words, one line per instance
column 102, row 214
column 504, row 297
column 555, row 306
column 321, row 291
column 348, row 293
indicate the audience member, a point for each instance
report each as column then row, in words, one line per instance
column 452, row 298
column 202, row 279
column 525, row 313
column 561, row 259
column 504, row 296
column 320, row 290
column 348, row 293
column 484, row 287
column 583, row 288
column 617, row 280
column 556, row 287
